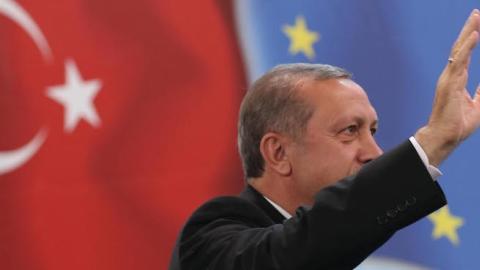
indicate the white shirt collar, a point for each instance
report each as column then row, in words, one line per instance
column 279, row 209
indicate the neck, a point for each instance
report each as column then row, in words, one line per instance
column 279, row 190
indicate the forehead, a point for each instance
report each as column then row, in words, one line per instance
column 335, row 98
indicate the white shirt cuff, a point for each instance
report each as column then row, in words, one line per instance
column 434, row 171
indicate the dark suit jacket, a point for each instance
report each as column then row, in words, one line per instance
column 348, row 221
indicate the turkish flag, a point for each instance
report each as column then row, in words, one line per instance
column 118, row 119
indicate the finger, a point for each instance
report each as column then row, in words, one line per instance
column 463, row 55
column 470, row 25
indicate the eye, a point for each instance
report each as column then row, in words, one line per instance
column 373, row 130
column 350, row 130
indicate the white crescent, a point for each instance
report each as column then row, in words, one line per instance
column 13, row 159
column 20, row 16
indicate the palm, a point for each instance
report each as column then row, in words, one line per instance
column 471, row 114
column 455, row 113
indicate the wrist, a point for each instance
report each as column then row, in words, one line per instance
column 436, row 147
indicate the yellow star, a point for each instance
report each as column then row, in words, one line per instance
column 301, row 38
column 446, row 224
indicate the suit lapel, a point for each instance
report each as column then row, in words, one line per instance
column 255, row 197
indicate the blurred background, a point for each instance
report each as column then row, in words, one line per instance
column 118, row 118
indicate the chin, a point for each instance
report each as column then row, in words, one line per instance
column 354, row 171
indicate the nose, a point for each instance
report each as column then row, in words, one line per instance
column 369, row 149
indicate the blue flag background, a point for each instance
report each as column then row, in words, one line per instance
column 396, row 51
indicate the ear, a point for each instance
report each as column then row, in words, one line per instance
column 273, row 149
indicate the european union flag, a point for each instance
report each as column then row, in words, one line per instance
column 396, row 50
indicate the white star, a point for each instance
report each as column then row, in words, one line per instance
column 76, row 95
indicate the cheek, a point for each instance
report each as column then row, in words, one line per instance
column 318, row 166
column 336, row 161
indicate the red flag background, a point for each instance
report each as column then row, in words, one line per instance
column 112, row 193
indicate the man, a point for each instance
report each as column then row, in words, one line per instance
column 320, row 193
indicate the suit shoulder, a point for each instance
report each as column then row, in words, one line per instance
column 226, row 210
column 227, row 207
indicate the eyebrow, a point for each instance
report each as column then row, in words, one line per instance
column 361, row 121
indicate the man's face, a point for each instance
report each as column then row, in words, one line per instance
column 339, row 136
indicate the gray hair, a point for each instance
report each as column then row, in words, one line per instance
column 272, row 105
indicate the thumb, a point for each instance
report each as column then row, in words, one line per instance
column 476, row 98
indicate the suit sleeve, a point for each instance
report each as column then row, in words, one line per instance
column 348, row 221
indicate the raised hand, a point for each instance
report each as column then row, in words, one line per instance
column 455, row 114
